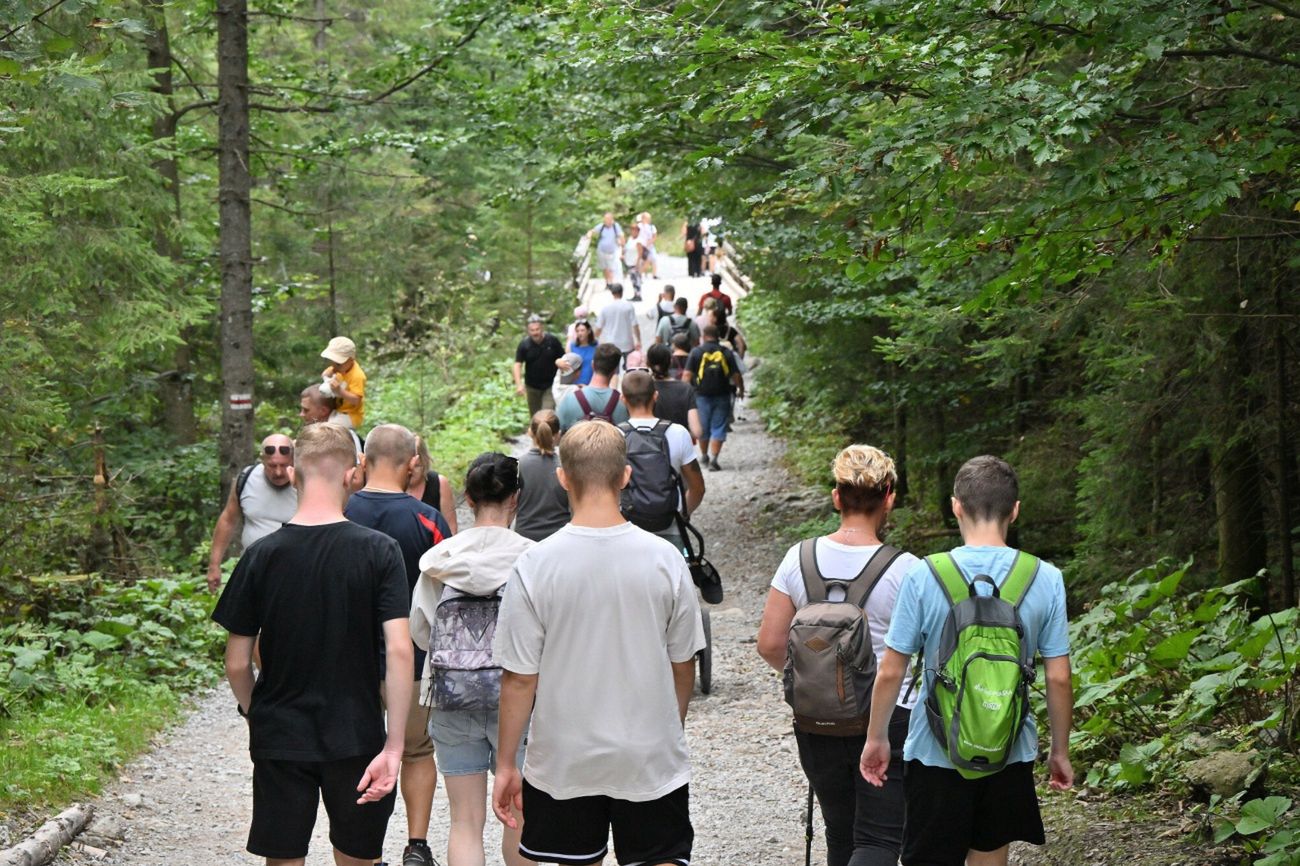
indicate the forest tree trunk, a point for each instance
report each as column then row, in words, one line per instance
column 1235, row 469
column 176, row 386
column 235, row 446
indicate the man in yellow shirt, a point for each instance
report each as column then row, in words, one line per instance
column 346, row 379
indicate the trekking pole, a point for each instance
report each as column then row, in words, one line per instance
column 808, row 829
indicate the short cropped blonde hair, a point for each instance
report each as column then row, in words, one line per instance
column 864, row 476
column 594, row 455
column 323, row 450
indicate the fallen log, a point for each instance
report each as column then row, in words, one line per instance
column 44, row 844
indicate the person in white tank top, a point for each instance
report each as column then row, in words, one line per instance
column 263, row 497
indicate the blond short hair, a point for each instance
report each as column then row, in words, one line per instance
column 594, row 456
column 864, row 476
column 323, row 450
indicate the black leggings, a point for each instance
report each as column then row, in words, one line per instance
column 864, row 824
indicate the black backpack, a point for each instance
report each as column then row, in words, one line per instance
column 654, row 492
column 683, row 328
column 713, row 376
column 242, row 481
column 589, row 414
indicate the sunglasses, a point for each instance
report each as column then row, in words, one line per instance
column 639, row 370
column 269, row 450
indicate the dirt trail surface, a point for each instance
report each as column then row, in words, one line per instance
column 189, row 800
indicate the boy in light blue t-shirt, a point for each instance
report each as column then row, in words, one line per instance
column 952, row 819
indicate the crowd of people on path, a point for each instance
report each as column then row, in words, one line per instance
column 374, row 644
column 633, row 253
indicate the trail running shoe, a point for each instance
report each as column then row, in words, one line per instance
column 418, row 855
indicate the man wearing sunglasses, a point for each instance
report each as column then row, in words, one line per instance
column 263, row 497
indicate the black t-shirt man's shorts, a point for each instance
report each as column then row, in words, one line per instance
column 539, row 360
column 318, row 596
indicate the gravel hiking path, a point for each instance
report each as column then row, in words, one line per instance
column 189, row 799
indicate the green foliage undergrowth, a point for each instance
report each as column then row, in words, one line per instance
column 1167, row 673
column 93, row 670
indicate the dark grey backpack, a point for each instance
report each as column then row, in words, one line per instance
column 830, row 665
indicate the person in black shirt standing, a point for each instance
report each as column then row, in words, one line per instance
column 321, row 591
column 390, row 458
column 536, row 360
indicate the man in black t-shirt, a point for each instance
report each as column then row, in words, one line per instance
column 321, row 591
column 383, row 504
column 535, row 360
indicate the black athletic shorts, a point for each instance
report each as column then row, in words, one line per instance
column 576, row 831
column 285, row 798
column 948, row 814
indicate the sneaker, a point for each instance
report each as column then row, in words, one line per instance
column 418, row 855
column 713, row 466
column 704, row 460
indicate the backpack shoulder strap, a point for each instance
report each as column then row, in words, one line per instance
column 813, row 583
column 951, row 580
column 1023, row 571
column 610, row 405
column 626, row 427
column 860, row 589
column 242, row 481
column 582, row 401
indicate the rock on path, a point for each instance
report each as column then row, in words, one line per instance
column 189, row 800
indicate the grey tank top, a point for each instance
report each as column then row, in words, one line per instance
column 266, row 508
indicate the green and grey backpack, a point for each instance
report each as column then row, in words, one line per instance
column 977, row 700
column 830, row 665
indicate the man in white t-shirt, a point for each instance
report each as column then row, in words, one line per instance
column 632, row 253
column 639, row 394
column 607, row 691
column 649, row 234
column 617, row 323
column 864, row 824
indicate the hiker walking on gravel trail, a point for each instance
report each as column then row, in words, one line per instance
column 454, row 616
column 617, row 323
column 721, row 298
column 345, row 381
column 824, row 587
column 383, row 504
column 969, row 797
column 321, row 591
column 632, row 254
column 263, row 497
column 543, row 503
column 649, row 234
column 535, row 365
column 676, row 401
column 666, row 477
column 716, row 375
column 609, row 247
column 599, row 399
column 607, row 693
column 676, row 323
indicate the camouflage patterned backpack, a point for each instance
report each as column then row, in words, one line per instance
column 464, row 675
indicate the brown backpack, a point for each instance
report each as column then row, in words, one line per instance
column 830, row 665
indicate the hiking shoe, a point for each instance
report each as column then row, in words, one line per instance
column 418, row 855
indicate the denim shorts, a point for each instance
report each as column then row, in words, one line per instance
column 714, row 412
column 465, row 741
